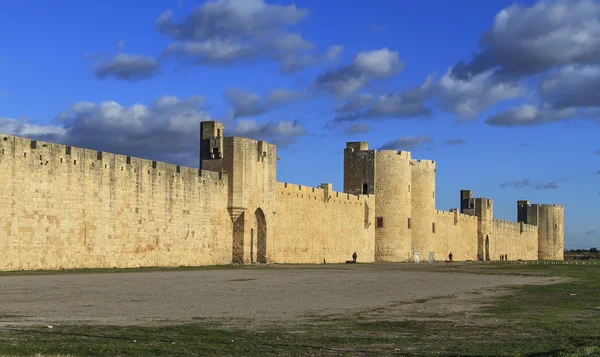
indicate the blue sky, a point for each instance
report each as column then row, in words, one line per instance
column 516, row 120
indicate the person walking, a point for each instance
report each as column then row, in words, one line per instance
column 354, row 258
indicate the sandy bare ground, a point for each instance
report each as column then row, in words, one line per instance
column 244, row 296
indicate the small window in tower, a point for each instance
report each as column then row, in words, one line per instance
column 408, row 188
column 379, row 222
column 409, row 224
column 215, row 153
column 433, row 194
column 433, row 227
column 218, row 133
column 365, row 189
column 555, row 225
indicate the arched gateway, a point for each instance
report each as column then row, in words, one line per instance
column 250, row 238
column 261, row 236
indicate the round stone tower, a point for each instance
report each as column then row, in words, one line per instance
column 423, row 228
column 393, row 206
column 551, row 232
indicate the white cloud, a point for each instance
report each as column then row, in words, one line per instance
column 223, row 32
column 468, row 97
column 528, row 40
column 528, row 115
column 282, row 133
column 407, row 143
column 166, row 130
column 127, row 67
column 572, row 86
column 247, row 104
column 365, row 67
column 23, row 128
column 358, row 128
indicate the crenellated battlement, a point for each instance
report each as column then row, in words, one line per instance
column 41, row 154
column 405, row 155
column 549, row 205
column 319, row 194
column 423, row 163
column 504, row 224
column 357, row 145
column 460, row 216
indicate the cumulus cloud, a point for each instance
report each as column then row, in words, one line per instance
column 407, row 143
column 572, row 86
column 365, row 67
column 464, row 97
column 454, row 142
column 356, row 103
column 407, row 104
column 246, row 103
column 467, row 97
column 21, row 127
column 127, row 67
column 529, row 115
column 222, row 32
column 293, row 62
column 530, row 40
column 358, row 128
column 282, row 133
column 166, row 130
column 527, row 183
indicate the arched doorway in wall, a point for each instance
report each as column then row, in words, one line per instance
column 238, row 240
column 252, row 246
column 261, row 236
column 487, row 247
column 365, row 190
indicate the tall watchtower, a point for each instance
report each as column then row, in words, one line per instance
column 387, row 174
column 467, row 203
column 211, row 145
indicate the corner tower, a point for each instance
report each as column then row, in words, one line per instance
column 551, row 232
column 549, row 220
column 387, row 174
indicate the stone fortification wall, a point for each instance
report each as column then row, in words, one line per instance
column 312, row 225
column 457, row 234
column 66, row 207
column 516, row 240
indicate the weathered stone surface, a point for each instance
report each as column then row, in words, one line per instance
column 64, row 207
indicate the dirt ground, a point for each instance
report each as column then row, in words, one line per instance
column 245, row 296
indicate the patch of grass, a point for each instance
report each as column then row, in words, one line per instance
column 534, row 320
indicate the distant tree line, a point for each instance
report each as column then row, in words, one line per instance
column 582, row 254
column 592, row 250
